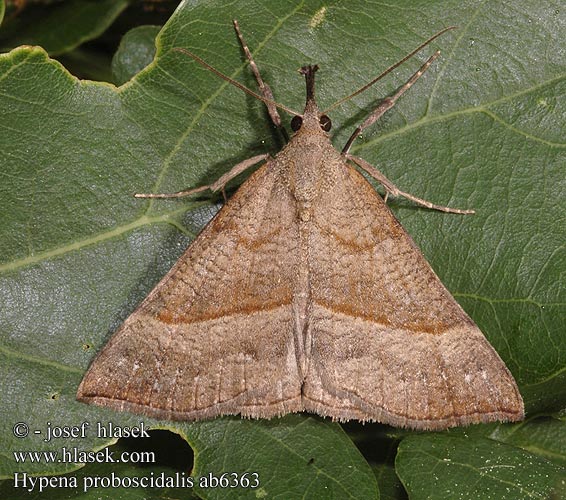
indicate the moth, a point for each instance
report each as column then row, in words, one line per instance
column 304, row 293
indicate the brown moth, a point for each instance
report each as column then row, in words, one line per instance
column 304, row 293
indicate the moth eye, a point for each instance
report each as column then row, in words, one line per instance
column 296, row 123
column 325, row 123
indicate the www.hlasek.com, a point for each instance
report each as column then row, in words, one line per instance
column 73, row 454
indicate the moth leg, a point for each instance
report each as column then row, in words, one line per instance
column 392, row 189
column 215, row 186
column 264, row 88
column 388, row 103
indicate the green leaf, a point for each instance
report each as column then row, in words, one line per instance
column 62, row 26
column 379, row 446
column 543, row 436
column 136, row 51
column 483, row 129
column 301, row 457
column 444, row 467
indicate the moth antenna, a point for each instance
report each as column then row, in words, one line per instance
column 389, row 70
column 234, row 82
